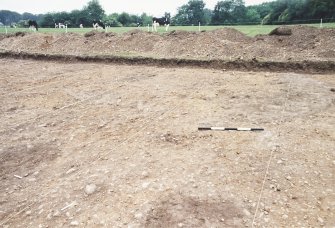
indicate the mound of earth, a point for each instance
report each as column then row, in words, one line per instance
column 3, row 36
column 303, row 43
column 230, row 34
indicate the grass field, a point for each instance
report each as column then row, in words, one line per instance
column 250, row 30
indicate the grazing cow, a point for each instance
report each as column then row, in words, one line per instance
column 98, row 25
column 32, row 25
column 59, row 25
column 160, row 21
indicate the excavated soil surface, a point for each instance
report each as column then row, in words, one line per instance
column 305, row 43
column 116, row 145
column 101, row 145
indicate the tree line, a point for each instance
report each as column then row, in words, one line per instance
column 195, row 11
column 235, row 12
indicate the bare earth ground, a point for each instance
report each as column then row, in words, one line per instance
column 117, row 146
column 305, row 43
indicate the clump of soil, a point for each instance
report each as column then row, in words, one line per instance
column 135, row 32
column 17, row 34
column 20, row 33
column 91, row 33
column 281, row 31
column 99, row 35
column 110, row 34
column 180, row 33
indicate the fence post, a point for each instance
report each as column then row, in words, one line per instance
column 321, row 23
column 199, row 26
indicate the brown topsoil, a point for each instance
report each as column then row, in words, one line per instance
column 301, row 44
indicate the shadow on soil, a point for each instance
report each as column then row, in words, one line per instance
column 241, row 65
column 176, row 210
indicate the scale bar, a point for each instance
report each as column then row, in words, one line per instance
column 229, row 129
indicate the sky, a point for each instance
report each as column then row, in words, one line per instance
column 151, row 7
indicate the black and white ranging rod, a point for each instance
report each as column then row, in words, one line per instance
column 229, row 129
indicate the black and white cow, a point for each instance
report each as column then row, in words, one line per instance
column 98, row 25
column 60, row 25
column 160, row 21
column 32, row 25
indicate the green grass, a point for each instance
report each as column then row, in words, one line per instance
column 250, row 30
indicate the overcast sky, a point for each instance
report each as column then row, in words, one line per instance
column 151, row 7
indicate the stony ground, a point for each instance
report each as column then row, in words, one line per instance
column 94, row 145
column 305, row 43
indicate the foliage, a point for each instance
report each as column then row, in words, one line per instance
column 27, row 16
column 181, row 17
column 224, row 12
column 8, row 17
column 321, row 8
column 191, row 13
column 47, row 20
column 111, row 20
column 94, row 10
column 145, row 19
column 229, row 11
column 252, row 16
column 276, row 12
column 124, row 19
column 298, row 10
column 21, row 23
column 208, row 14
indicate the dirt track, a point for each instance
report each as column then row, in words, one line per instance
column 118, row 146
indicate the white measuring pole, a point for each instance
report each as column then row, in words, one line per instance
column 66, row 28
column 148, row 28
column 199, row 26
column 321, row 23
column 6, row 29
